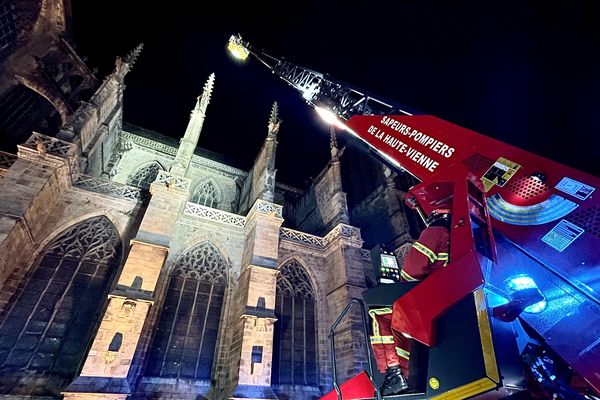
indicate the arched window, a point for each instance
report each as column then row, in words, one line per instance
column 294, row 349
column 206, row 194
column 186, row 336
column 47, row 326
column 145, row 175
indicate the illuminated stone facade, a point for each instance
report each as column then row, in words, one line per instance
column 132, row 266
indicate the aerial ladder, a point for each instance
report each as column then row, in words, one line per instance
column 519, row 302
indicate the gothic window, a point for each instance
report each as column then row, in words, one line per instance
column 48, row 323
column 294, row 349
column 186, row 335
column 206, row 194
column 145, row 175
column 8, row 30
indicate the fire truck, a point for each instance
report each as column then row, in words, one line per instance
column 516, row 312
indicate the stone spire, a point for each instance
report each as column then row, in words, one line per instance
column 270, row 145
column 188, row 143
column 274, row 122
column 334, row 148
column 123, row 65
column 134, row 54
column 262, row 184
column 333, row 145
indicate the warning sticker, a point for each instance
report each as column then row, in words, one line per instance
column 575, row 188
column 499, row 173
column 562, row 235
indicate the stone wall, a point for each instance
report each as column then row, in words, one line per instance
column 254, row 184
column 322, row 206
column 243, row 203
column 372, row 216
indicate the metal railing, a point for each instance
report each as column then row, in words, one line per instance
column 366, row 341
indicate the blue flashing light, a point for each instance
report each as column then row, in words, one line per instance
column 520, row 282
column 537, row 307
column 524, row 282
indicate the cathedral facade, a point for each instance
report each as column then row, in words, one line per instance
column 134, row 266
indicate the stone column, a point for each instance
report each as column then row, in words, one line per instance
column 345, row 281
column 251, row 349
column 104, row 373
column 338, row 200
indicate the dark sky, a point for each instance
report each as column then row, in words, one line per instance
column 527, row 73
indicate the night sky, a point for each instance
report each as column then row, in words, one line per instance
column 527, row 73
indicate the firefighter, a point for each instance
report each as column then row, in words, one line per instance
column 391, row 349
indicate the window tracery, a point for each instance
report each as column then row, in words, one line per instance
column 145, row 175
column 46, row 328
column 207, row 194
column 185, row 342
column 294, row 346
column 294, row 281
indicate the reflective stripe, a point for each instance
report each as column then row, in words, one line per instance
column 378, row 311
column 408, row 277
column 402, row 353
column 443, row 257
column 375, row 327
column 382, row 339
column 426, row 251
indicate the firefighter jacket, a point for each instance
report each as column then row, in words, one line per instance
column 428, row 254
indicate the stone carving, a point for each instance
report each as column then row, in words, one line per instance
column 104, row 186
column 207, row 194
column 214, row 214
column 365, row 255
column 7, row 160
column 268, row 192
column 206, row 92
column 269, row 208
column 41, row 147
column 127, row 309
column 50, row 145
column 293, row 281
column 172, row 181
column 345, row 231
column 340, row 230
column 259, row 325
column 145, row 175
column 94, row 239
column 148, row 143
column 274, row 122
column 110, row 356
column 134, row 54
column 297, row 236
column 204, row 263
